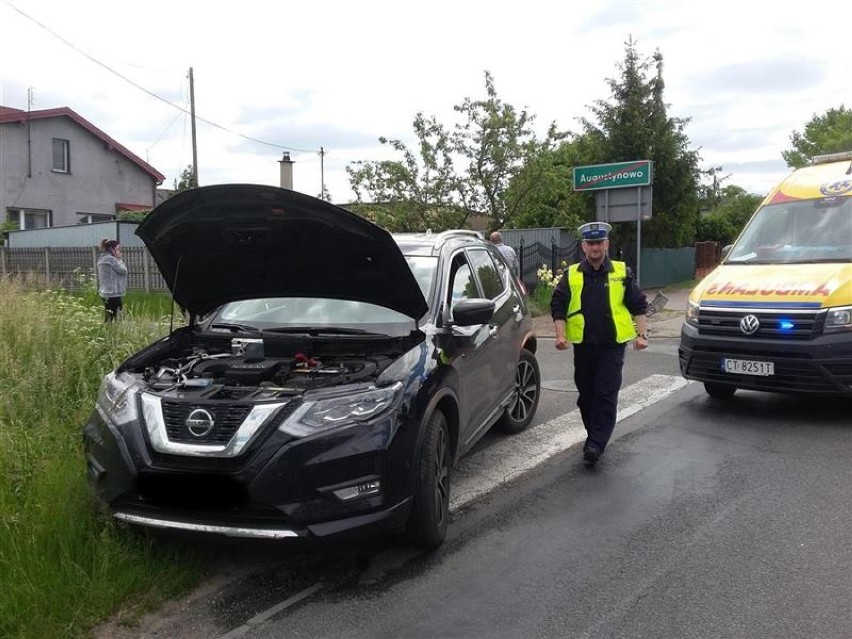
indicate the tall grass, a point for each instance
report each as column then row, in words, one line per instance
column 63, row 565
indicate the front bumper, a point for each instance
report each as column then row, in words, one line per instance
column 822, row 365
column 283, row 487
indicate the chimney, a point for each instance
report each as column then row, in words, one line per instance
column 286, row 171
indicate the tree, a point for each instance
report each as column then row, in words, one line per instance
column 414, row 193
column 724, row 222
column 550, row 200
column 455, row 173
column 635, row 125
column 187, row 180
column 827, row 133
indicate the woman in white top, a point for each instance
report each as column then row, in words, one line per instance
column 112, row 278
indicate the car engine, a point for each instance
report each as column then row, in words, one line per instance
column 256, row 370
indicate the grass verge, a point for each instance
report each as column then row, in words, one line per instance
column 63, row 565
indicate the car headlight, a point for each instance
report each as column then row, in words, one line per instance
column 838, row 319
column 322, row 414
column 692, row 313
column 117, row 399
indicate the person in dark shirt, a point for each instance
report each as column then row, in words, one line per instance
column 593, row 308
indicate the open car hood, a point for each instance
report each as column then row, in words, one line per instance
column 227, row 242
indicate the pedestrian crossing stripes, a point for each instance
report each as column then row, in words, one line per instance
column 482, row 471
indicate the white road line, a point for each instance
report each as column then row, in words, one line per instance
column 260, row 617
column 481, row 472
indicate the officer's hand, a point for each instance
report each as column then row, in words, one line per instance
column 640, row 343
column 561, row 343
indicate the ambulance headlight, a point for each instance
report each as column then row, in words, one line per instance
column 692, row 313
column 838, row 319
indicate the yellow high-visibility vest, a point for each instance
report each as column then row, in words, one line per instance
column 575, row 323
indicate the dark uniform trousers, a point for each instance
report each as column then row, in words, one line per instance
column 597, row 374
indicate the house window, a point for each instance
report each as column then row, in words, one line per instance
column 29, row 218
column 91, row 218
column 61, row 156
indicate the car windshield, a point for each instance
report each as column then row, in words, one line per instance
column 323, row 315
column 797, row 232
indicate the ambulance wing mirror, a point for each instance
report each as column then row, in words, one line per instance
column 725, row 250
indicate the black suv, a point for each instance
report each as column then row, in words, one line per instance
column 330, row 375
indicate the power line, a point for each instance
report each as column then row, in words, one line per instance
column 151, row 93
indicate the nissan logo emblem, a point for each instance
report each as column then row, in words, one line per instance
column 749, row 324
column 199, row 423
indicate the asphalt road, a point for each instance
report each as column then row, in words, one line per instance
column 703, row 519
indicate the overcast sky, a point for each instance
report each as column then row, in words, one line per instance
column 273, row 76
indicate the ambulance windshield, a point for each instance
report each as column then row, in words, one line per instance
column 797, row 232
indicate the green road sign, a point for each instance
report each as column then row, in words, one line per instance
column 612, row 176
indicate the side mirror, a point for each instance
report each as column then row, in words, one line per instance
column 473, row 312
column 725, row 250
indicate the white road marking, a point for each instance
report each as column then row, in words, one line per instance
column 260, row 617
column 481, row 472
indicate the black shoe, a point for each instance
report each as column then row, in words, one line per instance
column 591, row 454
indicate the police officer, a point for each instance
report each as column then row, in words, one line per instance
column 591, row 308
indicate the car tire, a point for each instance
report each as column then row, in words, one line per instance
column 719, row 391
column 520, row 412
column 427, row 525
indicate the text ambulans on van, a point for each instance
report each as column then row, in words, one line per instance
column 776, row 315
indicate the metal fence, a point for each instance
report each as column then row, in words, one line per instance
column 73, row 267
column 532, row 257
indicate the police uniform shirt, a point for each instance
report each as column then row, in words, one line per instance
column 594, row 304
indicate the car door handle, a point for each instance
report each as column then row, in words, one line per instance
column 493, row 331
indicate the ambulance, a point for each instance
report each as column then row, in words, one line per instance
column 776, row 314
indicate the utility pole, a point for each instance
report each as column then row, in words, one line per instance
column 322, row 173
column 29, row 136
column 192, row 115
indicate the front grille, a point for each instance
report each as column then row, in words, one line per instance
column 800, row 325
column 227, row 419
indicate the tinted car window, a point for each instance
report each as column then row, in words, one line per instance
column 462, row 285
column 491, row 281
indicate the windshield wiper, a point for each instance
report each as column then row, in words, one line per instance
column 317, row 330
column 230, row 326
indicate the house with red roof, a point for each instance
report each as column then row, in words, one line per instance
column 59, row 169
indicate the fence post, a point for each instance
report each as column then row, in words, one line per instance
column 521, row 271
column 146, row 270
column 3, row 261
column 47, row 265
column 553, row 254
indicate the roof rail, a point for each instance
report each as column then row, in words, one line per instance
column 443, row 235
column 831, row 157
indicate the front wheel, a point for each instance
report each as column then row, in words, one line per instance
column 427, row 525
column 521, row 410
column 719, row 391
